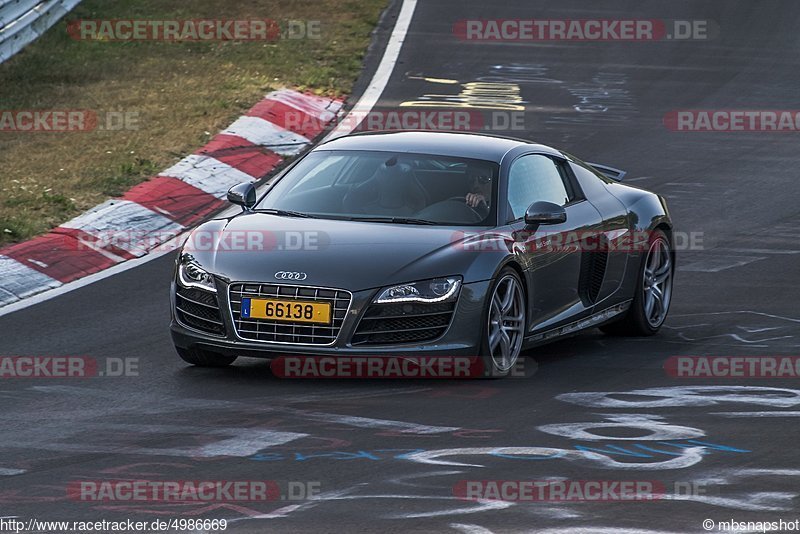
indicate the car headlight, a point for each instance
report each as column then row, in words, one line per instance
column 428, row 291
column 190, row 274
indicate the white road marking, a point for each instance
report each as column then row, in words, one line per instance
column 382, row 74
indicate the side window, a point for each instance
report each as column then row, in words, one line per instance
column 534, row 178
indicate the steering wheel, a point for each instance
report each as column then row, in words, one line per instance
column 481, row 210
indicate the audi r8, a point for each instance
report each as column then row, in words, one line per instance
column 423, row 243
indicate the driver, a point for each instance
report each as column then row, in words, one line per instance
column 480, row 183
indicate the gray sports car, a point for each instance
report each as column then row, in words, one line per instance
column 424, row 243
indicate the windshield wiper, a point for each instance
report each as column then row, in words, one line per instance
column 285, row 213
column 395, row 220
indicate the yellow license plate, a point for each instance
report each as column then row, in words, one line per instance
column 292, row 311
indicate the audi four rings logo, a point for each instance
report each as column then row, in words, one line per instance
column 289, row 275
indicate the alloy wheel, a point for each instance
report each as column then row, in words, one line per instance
column 657, row 284
column 506, row 322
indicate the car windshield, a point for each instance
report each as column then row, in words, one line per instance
column 387, row 187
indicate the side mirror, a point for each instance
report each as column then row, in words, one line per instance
column 243, row 195
column 545, row 213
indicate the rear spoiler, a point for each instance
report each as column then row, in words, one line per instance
column 611, row 172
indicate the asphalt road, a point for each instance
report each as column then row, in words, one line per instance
column 386, row 455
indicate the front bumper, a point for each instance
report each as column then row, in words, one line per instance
column 462, row 338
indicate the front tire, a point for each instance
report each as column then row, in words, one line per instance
column 504, row 329
column 204, row 358
column 653, row 295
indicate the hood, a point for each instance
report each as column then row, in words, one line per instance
column 351, row 255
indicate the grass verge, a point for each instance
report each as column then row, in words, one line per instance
column 178, row 95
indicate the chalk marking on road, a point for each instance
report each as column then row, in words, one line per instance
column 764, row 251
column 763, row 314
column 756, row 414
column 766, row 501
column 328, row 397
column 688, row 457
column 7, row 471
column 760, row 501
column 552, row 512
column 737, row 337
column 719, row 263
column 368, row 422
column 312, row 502
column 470, row 529
column 480, row 505
column 604, row 530
column 402, row 479
column 731, row 475
column 743, row 336
column 239, row 442
column 670, row 397
column 653, row 424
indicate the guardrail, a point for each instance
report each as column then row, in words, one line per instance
column 23, row 21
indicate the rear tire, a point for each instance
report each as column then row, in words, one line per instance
column 653, row 291
column 204, row 358
column 505, row 324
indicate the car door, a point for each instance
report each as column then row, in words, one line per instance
column 552, row 255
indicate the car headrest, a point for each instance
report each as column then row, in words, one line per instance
column 393, row 183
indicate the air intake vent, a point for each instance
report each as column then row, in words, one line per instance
column 199, row 310
column 594, row 260
column 389, row 324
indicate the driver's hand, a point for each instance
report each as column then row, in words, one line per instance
column 475, row 199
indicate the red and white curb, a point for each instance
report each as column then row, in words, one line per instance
column 283, row 124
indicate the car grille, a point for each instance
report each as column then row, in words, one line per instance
column 271, row 331
column 199, row 309
column 388, row 324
